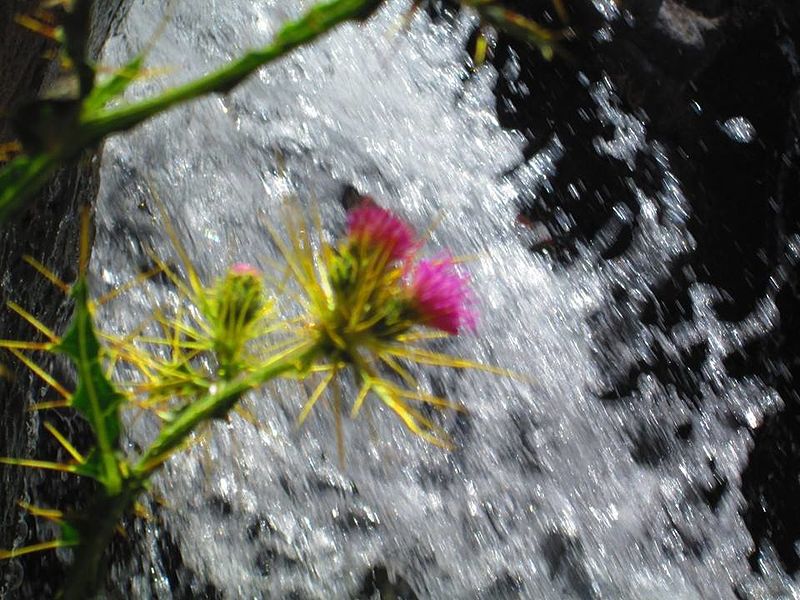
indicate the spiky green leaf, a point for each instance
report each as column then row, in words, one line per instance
column 113, row 87
column 96, row 397
column 92, row 467
column 69, row 534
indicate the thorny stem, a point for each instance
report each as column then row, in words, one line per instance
column 318, row 20
column 77, row 26
column 216, row 405
column 514, row 24
column 96, row 530
column 23, row 177
column 106, row 511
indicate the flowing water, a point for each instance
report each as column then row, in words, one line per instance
column 547, row 495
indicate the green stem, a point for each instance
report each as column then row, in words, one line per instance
column 26, row 175
column 215, row 406
column 77, row 28
column 95, row 531
column 320, row 19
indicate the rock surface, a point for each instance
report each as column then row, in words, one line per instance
column 719, row 85
column 48, row 231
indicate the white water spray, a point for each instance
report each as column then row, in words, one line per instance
column 543, row 498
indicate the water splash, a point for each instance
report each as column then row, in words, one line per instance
column 739, row 129
column 553, row 492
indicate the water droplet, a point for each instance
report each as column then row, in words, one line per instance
column 739, row 129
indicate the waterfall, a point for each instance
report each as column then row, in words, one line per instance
column 554, row 491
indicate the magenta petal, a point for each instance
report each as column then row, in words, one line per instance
column 372, row 225
column 443, row 297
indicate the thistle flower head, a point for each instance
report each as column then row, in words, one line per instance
column 211, row 335
column 364, row 297
column 371, row 228
column 236, row 299
column 233, row 305
column 441, row 297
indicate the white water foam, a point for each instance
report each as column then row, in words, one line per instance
column 543, row 498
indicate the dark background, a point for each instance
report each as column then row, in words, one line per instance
column 745, row 198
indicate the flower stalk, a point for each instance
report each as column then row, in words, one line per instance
column 93, row 531
column 216, row 405
column 107, row 510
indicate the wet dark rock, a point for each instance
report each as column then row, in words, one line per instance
column 357, row 519
column 49, row 233
column 684, row 432
column 505, row 587
column 770, row 483
column 651, row 446
column 564, row 556
column 380, row 585
column 714, row 494
column 183, row 582
column 718, row 84
column 22, row 62
column 47, row 230
column 220, row 507
column 264, row 561
column 269, row 560
column 523, row 449
column 260, row 526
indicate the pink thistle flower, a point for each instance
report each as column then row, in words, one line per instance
column 370, row 225
column 441, row 296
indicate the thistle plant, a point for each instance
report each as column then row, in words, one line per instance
column 368, row 304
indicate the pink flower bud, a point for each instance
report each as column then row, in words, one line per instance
column 241, row 268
